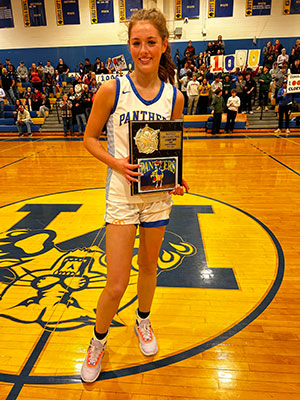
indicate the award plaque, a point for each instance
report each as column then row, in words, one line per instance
column 157, row 147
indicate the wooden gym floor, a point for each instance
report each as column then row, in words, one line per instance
column 227, row 307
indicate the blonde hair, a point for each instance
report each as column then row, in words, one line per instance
column 166, row 70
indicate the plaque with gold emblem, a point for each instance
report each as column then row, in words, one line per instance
column 157, row 147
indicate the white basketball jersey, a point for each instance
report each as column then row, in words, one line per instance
column 130, row 106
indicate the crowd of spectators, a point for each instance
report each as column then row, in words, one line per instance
column 46, row 81
column 194, row 77
column 199, row 85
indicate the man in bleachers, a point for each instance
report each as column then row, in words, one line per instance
column 97, row 66
column 23, row 118
column 216, row 84
column 87, row 66
column 283, row 58
column 221, row 44
column 22, row 72
column 8, row 64
column 49, row 68
column 279, row 78
column 66, row 114
column 295, row 69
column 62, row 69
column 7, row 85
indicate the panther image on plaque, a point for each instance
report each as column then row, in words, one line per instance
column 158, row 174
column 157, row 147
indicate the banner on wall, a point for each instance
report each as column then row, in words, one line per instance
column 187, row 9
column 67, row 12
column 240, row 58
column 129, row 7
column 258, row 7
column 293, row 83
column 34, row 13
column 6, row 16
column 102, row 11
column 253, row 58
column 220, row 8
column 291, row 7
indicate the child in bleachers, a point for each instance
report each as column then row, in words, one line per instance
column 45, row 106
column 217, row 106
column 36, row 100
column 28, row 98
column 233, row 104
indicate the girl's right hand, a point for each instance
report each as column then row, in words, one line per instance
column 123, row 166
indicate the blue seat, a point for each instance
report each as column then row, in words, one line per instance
column 9, row 108
column 26, row 84
column 13, row 128
column 8, row 114
column 7, row 121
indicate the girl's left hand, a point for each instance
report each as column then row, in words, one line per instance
column 179, row 190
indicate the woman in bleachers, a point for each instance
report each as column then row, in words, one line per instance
column 57, row 81
column 45, row 106
column 28, row 98
column 204, row 96
column 36, row 100
column 49, row 85
column 34, row 78
column 15, row 112
column 103, row 69
column 109, row 65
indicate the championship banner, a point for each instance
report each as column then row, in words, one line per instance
column 34, row 13
column 129, row 7
column 291, row 7
column 216, row 63
column 258, row 7
column 220, row 8
column 229, row 63
column 253, row 58
column 187, row 9
column 240, row 58
column 67, row 12
column 102, row 11
column 6, row 17
column 293, row 83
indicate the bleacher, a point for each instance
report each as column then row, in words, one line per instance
column 204, row 121
column 7, row 124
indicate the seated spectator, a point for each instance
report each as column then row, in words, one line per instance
column 190, row 49
column 285, row 104
column 48, row 68
column 49, row 84
column 193, row 95
column 45, row 106
column 249, row 87
column 41, row 71
column 58, row 80
column 36, row 100
column 34, row 78
column 23, row 119
column 233, row 104
column 22, row 72
column 109, row 65
column 277, row 48
column 295, row 68
column 15, row 112
column 80, row 114
column 221, row 44
column 184, row 70
column 65, row 106
column 204, row 89
column 8, row 83
column 103, row 69
column 62, row 69
column 97, row 66
column 79, row 86
column 216, row 84
column 87, row 66
column 2, row 97
column 283, row 58
column 264, row 80
column 28, row 98
column 93, row 86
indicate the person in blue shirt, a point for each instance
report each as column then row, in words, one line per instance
column 285, row 103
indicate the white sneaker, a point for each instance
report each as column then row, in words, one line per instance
column 91, row 366
column 147, row 340
column 277, row 130
column 244, row 112
column 287, row 131
column 250, row 112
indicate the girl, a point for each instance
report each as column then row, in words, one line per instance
column 146, row 90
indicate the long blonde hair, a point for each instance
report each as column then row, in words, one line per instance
column 166, row 70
